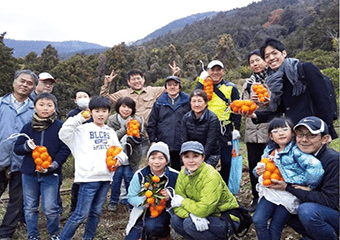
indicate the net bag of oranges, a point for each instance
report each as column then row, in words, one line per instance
column 208, row 87
column 272, row 172
column 243, row 106
column 151, row 191
column 41, row 157
column 261, row 92
column 111, row 160
column 133, row 128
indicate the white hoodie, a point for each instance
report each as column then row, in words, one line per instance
column 88, row 144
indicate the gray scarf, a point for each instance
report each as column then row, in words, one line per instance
column 275, row 81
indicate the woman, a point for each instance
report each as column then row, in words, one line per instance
column 201, row 197
column 202, row 125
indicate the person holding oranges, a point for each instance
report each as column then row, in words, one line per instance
column 293, row 166
column 41, row 165
column 144, row 222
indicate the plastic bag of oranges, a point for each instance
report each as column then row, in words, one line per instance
column 41, row 158
column 272, row 172
column 133, row 128
column 111, row 160
column 208, row 87
column 261, row 92
column 247, row 107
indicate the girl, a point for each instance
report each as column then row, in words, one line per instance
column 295, row 167
column 126, row 109
column 44, row 129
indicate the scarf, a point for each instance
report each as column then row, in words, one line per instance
column 275, row 81
column 40, row 124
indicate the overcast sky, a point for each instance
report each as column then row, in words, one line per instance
column 107, row 23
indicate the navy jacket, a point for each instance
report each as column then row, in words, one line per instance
column 310, row 103
column 48, row 138
column 165, row 120
column 327, row 193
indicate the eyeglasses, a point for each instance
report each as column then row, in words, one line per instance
column 277, row 130
column 308, row 135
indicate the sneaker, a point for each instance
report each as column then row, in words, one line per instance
column 112, row 207
column 253, row 205
column 55, row 237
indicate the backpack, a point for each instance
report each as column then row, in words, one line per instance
column 245, row 220
column 330, row 91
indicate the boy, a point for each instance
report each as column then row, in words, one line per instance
column 89, row 143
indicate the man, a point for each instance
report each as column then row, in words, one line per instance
column 289, row 95
column 319, row 211
column 224, row 93
column 166, row 117
column 16, row 110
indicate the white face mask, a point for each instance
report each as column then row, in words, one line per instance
column 83, row 103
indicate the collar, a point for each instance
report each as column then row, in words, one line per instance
column 138, row 91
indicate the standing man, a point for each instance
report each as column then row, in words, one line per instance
column 319, row 211
column 16, row 109
column 230, row 123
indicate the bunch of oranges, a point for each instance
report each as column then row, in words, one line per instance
column 133, row 128
column 272, row 172
column 261, row 92
column 208, row 87
column 243, row 106
column 41, row 158
column 111, row 160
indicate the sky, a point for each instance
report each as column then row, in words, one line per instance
column 104, row 22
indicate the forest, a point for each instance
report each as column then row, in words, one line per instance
column 308, row 28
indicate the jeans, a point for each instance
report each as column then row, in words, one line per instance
column 74, row 196
column 122, row 172
column 320, row 222
column 91, row 198
column 14, row 210
column 157, row 227
column 225, row 161
column 264, row 211
column 186, row 228
column 47, row 186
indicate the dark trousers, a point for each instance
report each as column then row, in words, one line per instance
column 74, row 196
column 255, row 151
column 175, row 162
column 225, row 161
column 14, row 211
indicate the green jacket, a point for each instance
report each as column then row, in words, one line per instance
column 205, row 193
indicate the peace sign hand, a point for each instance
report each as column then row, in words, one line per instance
column 175, row 70
column 109, row 78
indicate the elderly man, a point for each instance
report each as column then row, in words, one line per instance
column 16, row 110
column 319, row 211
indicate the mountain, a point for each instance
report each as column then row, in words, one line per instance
column 65, row 49
column 175, row 26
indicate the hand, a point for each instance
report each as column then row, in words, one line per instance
column 204, row 75
column 175, row 70
column 108, row 78
column 236, row 134
column 305, row 188
column 260, row 169
column 201, row 224
column 279, row 185
column 176, row 201
column 86, row 114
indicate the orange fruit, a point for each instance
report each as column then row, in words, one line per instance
column 109, row 158
column 147, row 184
column 267, row 175
column 154, row 214
column 275, row 176
column 151, row 200
column 270, row 166
column 277, row 171
column 264, row 160
column 44, row 156
column 42, row 149
column 86, row 114
column 116, row 151
column 38, row 161
column 110, row 163
column 148, row 194
column 159, row 208
column 109, row 151
column 49, row 159
column 45, row 164
column 237, row 103
column 35, row 154
column 244, row 108
column 162, row 202
column 247, row 102
column 155, row 179
column 267, row 182
column 38, row 168
column 253, row 107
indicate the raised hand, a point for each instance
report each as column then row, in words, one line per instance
column 175, row 70
column 109, row 78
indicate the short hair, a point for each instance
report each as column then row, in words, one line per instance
column 280, row 122
column 254, row 52
column 26, row 71
column 128, row 102
column 134, row 72
column 100, row 102
column 274, row 43
column 46, row 96
column 81, row 90
column 199, row 92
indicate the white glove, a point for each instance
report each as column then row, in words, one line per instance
column 236, row 134
column 204, row 75
column 201, row 224
column 176, row 201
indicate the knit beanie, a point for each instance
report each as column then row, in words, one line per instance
column 159, row 147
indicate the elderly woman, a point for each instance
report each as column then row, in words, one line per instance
column 142, row 226
column 202, row 125
column 201, row 197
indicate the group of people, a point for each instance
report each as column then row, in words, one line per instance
column 184, row 137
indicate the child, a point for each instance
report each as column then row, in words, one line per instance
column 126, row 109
column 295, row 167
column 143, row 224
column 43, row 130
column 89, row 143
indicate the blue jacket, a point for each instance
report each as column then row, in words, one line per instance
column 297, row 167
column 12, row 121
column 165, row 120
column 48, row 138
column 327, row 193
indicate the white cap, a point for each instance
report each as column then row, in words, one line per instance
column 214, row 63
column 44, row 76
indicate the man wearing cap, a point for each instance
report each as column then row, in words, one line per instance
column 319, row 211
column 16, row 109
column 166, row 116
column 230, row 123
